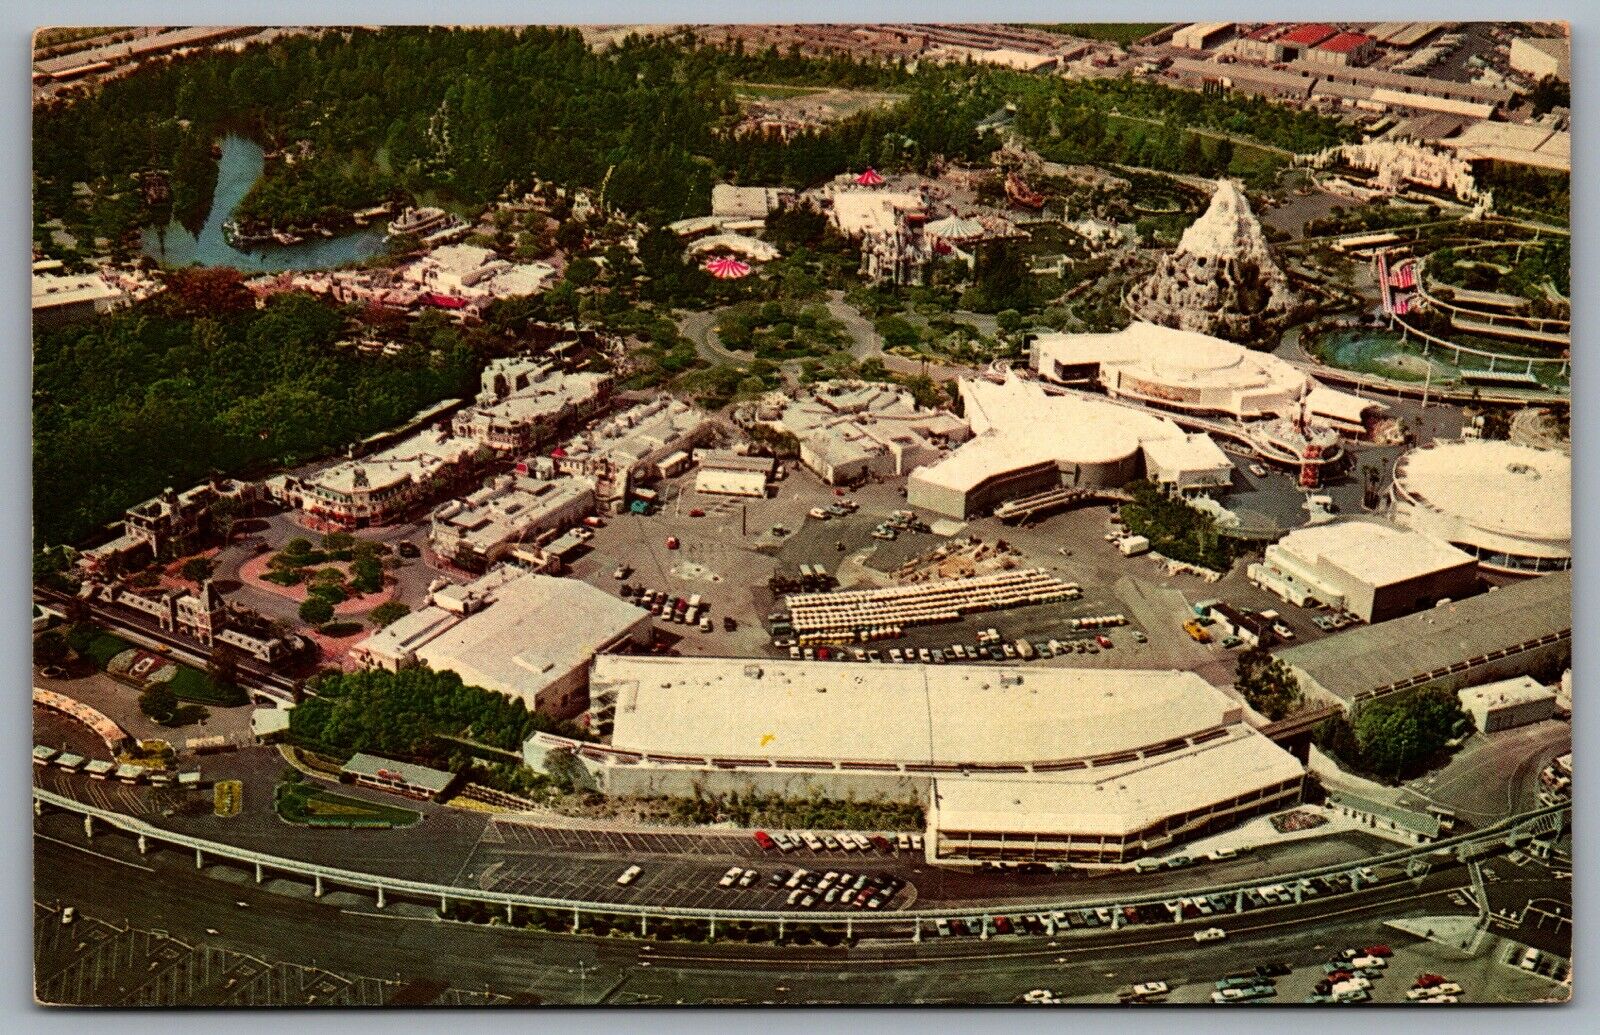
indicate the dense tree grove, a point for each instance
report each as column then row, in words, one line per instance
column 161, row 395
column 358, row 116
column 1267, row 683
column 403, row 715
column 1397, row 737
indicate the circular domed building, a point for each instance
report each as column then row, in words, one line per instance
column 1510, row 506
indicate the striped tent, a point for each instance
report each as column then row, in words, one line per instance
column 870, row 178
column 725, row 268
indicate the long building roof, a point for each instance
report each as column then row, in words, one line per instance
column 742, row 708
column 1375, row 657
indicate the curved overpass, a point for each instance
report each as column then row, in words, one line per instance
column 1513, row 829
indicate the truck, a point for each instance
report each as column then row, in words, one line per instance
column 1196, row 633
column 1133, row 545
column 1025, row 650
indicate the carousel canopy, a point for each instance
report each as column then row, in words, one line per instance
column 726, row 268
column 955, row 228
column 870, row 178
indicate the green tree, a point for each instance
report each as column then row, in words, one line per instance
column 50, row 648
column 1267, row 684
column 158, row 701
column 315, row 611
column 197, row 569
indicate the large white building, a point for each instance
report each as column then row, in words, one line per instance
column 524, row 635
column 1027, row 440
column 523, row 402
column 1050, row 764
column 1508, row 505
column 1188, row 371
column 1368, row 568
column 848, row 432
column 467, row 271
column 62, row 297
column 1540, row 58
column 1508, row 704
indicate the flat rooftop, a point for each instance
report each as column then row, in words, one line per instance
column 1374, row 552
column 536, row 630
column 1374, row 657
column 791, row 710
column 1496, row 486
column 1122, row 799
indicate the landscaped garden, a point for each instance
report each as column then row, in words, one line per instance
column 307, row 804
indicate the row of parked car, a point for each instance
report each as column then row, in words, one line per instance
column 808, row 888
column 838, row 841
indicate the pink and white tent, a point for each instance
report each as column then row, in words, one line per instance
column 725, row 268
column 870, row 178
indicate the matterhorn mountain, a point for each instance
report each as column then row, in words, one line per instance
column 1222, row 279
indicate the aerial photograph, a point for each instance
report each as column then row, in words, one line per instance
column 802, row 515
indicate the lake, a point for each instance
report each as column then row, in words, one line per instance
column 237, row 171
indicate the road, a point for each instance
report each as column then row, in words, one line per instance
column 344, row 934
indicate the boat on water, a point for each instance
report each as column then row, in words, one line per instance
column 419, row 221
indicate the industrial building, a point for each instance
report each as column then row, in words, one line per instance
column 501, row 633
column 1367, row 568
column 1508, row 505
column 1511, row 631
column 1073, row 765
column 726, row 473
column 1027, row 440
column 634, row 447
column 1542, row 58
column 849, row 432
column 1508, row 704
column 481, row 529
column 1202, row 35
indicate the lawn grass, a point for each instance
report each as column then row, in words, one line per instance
column 1122, row 33
column 308, row 805
column 104, row 647
column 191, row 684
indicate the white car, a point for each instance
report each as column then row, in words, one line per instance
column 812, row 841
column 729, row 877
column 1369, row 963
column 629, row 876
column 1210, row 934
column 1150, row 988
column 68, row 915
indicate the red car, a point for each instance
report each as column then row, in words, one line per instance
column 672, row 542
column 880, row 842
column 1002, row 925
column 1428, row 980
column 1381, row 951
column 697, row 512
column 1340, row 975
column 1104, row 642
column 823, row 654
column 765, row 840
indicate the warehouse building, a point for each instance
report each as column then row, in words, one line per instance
column 1542, row 58
column 1508, row 505
column 1508, row 704
column 1089, row 767
column 1368, row 568
column 60, row 298
column 1511, row 631
column 499, row 633
column 726, row 473
column 1028, row 440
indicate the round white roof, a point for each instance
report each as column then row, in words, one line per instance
column 1500, row 487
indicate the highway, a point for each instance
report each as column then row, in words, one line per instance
column 344, row 934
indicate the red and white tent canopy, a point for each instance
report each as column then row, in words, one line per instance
column 870, row 178
column 725, row 268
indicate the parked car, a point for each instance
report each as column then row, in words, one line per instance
column 1210, row 934
column 629, row 875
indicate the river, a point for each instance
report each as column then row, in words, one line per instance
column 237, row 171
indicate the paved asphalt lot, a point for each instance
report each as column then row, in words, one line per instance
column 341, row 940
